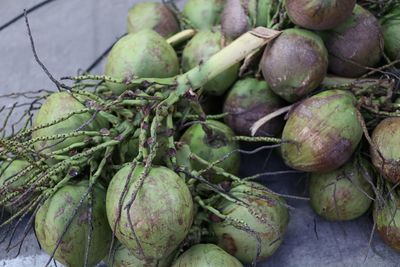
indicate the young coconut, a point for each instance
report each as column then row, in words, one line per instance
column 52, row 219
column 211, row 141
column 203, row 14
column 248, row 101
column 295, row 64
column 391, row 34
column 355, row 44
column 160, row 215
column 343, row 194
column 143, row 54
column 322, row 132
column 319, row 14
column 202, row 46
column 266, row 216
column 152, row 16
column 385, row 152
column 207, row 255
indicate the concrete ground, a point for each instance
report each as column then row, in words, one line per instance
column 69, row 35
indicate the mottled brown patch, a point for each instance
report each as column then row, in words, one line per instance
column 168, row 24
column 229, row 244
column 390, row 235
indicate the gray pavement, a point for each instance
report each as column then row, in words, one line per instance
column 69, row 35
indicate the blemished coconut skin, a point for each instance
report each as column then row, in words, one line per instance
column 56, row 106
column 391, row 34
column 144, row 54
column 161, row 214
column 206, row 255
column 387, row 220
column 249, row 100
column 153, row 16
column 213, row 148
column 321, row 132
column 386, row 139
column 52, row 218
column 319, row 14
column 355, row 44
column 267, row 216
column 203, row 14
column 295, row 64
column 343, row 194
column 202, row 46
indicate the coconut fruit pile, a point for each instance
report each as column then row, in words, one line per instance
column 140, row 166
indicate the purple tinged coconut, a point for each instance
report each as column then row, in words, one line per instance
column 161, row 214
column 355, row 45
column 321, row 132
column 248, row 101
column 295, row 64
column 152, row 16
column 343, row 194
column 203, row 14
column 207, row 255
column 385, row 153
column 319, row 14
column 144, row 54
column 265, row 214
column 52, row 218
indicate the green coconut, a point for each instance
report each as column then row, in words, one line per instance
column 355, row 44
column 212, row 146
column 248, row 101
column 295, row 64
column 267, row 216
column 321, row 132
column 385, row 153
column 152, row 16
column 161, row 214
column 56, row 106
column 203, row 14
column 391, row 34
column 343, row 194
column 202, row 46
column 52, row 218
column 319, row 14
column 144, row 54
column 206, row 255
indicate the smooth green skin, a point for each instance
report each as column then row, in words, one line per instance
column 248, row 101
column 387, row 220
column 144, row 54
column 202, row 46
column 199, row 144
column 53, row 216
column 322, row 132
column 206, row 255
column 391, row 34
column 152, row 16
column 161, row 214
column 386, row 137
column 295, row 64
column 267, row 215
column 203, row 14
column 58, row 105
column 341, row 195
column 7, row 171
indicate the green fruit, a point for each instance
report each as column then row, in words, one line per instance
column 52, row 218
column 203, row 14
column 161, row 214
column 152, row 16
column 144, row 54
column 343, row 194
column 391, row 34
column 295, row 64
column 248, row 101
column 322, row 132
column 266, row 215
column 386, row 139
column 56, row 106
column 319, row 14
column 213, row 147
column 356, row 42
column 202, row 46
column 206, row 255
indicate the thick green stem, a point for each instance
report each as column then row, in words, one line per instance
column 181, row 37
